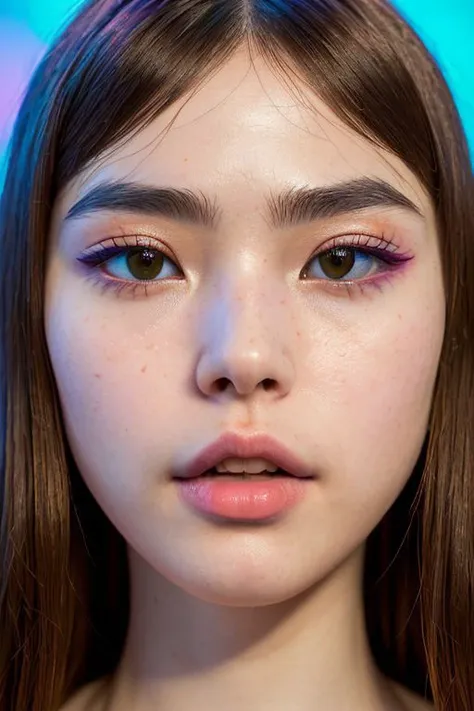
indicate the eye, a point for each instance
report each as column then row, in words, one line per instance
column 130, row 263
column 343, row 263
column 140, row 263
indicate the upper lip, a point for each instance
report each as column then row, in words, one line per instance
column 232, row 444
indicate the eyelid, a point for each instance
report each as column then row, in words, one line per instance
column 124, row 241
column 358, row 239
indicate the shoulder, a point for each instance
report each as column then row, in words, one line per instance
column 411, row 701
column 87, row 698
column 90, row 698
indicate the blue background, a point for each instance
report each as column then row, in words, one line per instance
column 28, row 26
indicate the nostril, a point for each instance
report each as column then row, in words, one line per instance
column 222, row 384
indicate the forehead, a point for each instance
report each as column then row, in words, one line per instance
column 246, row 129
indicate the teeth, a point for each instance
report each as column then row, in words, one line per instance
column 249, row 466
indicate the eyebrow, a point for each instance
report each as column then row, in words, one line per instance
column 177, row 204
column 292, row 207
column 303, row 205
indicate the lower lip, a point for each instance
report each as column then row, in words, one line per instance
column 242, row 499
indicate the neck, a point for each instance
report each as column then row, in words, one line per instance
column 304, row 653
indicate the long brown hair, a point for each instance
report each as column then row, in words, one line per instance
column 120, row 63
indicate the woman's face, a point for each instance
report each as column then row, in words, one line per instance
column 245, row 327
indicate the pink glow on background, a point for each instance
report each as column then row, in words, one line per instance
column 20, row 51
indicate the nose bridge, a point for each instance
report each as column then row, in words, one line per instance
column 249, row 310
column 246, row 332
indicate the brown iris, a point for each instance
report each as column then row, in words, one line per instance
column 336, row 263
column 145, row 263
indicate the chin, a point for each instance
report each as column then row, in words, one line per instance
column 238, row 588
column 244, row 596
column 234, row 571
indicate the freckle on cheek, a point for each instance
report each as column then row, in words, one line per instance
column 143, row 368
column 97, row 375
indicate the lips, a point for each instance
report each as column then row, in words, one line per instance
column 231, row 444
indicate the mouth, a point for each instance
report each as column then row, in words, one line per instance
column 244, row 479
column 233, row 456
column 232, row 476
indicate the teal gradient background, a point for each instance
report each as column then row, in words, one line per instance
column 28, row 26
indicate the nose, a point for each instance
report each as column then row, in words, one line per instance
column 246, row 343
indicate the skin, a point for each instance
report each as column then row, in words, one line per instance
column 227, row 616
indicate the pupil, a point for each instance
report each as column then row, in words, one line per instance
column 338, row 262
column 144, row 263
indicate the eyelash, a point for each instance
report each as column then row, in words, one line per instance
column 378, row 247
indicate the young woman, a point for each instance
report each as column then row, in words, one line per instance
column 237, row 366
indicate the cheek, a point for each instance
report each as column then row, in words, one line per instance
column 392, row 378
column 379, row 409
column 118, row 390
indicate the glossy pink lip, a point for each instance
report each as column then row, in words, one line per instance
column 231, row 444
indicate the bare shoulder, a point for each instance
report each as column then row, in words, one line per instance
column 411, row 701
column 87, row 698
column 90, row 698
